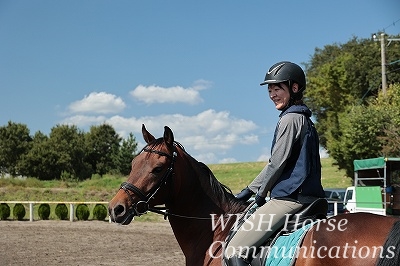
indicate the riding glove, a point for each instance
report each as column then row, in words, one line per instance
column 245, row 194
column 260, row 201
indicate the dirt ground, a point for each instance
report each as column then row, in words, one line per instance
column 88, row 243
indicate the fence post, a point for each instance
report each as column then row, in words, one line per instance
column 71, row 212
column 31, row 211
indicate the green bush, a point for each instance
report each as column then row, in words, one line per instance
column 19, row 211
column 4, row 211
column 82, row 212
column 99, row 212
column 44, row 211
column 61, row 211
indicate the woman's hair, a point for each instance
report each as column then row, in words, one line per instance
column 295, row 98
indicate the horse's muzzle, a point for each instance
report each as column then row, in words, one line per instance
column 120, row 214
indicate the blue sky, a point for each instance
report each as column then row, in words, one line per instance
column 194, row 66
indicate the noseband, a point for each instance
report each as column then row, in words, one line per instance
column 142, row 206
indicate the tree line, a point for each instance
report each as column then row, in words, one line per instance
column 67, row 153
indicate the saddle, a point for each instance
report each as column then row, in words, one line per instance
column 315, row 211
column 310, row 213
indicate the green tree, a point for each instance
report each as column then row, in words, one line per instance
column 357, row 139
column 102, row 148
column 39, row 161
column 345, row 74
column 368, row 131
column 14, row 142
column 69, row 144
column 342, row 80
column 127, row 151
column 59, row 155
column 390, row 104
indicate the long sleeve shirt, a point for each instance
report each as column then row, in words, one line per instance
column 294, row 158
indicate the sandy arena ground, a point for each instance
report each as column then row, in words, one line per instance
column 87, row 243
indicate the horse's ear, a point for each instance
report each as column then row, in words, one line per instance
column 168, row 137
column 146, row 135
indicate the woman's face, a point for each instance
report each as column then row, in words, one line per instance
column 279, row 94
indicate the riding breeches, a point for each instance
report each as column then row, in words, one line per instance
column 257, row 228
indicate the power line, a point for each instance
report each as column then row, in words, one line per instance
column 393, row 24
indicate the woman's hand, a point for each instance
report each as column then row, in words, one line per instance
column 245, row 194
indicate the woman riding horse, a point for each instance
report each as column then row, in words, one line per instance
column 293, row 173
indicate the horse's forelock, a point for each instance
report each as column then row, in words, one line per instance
column 155, row 143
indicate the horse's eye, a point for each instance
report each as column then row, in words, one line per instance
column 157, row 170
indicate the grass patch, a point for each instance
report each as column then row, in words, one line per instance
column 238, row 175
column 332, row 177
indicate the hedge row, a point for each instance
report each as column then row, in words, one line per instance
column 82, row 211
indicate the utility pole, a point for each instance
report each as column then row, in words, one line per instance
column 383, row 57
column 383, row 61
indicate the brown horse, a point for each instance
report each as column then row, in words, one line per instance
column 201, row 212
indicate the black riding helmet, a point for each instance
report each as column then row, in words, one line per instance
column 286, row 71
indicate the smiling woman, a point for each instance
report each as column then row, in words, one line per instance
column 292, row 177
column 279, row 94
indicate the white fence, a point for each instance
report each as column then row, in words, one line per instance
column 71, row 205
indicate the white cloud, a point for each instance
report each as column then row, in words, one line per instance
column 98, row 103
column 156, row 94
column 84, row 120
column 228, row 160
column 201, row 84
column 263, row 158
column 204, row 157
column 208, row 134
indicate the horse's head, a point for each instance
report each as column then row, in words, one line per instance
column 151, row 169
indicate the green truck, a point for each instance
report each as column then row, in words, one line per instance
column 364, row 199
column 376, row 186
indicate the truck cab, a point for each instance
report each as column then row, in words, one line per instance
column 364, row 199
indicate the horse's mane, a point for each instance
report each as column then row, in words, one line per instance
column 219, row 193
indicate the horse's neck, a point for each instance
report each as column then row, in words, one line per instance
column 202, row 235
column 198, row 220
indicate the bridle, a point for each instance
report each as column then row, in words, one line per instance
column 142, row 206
